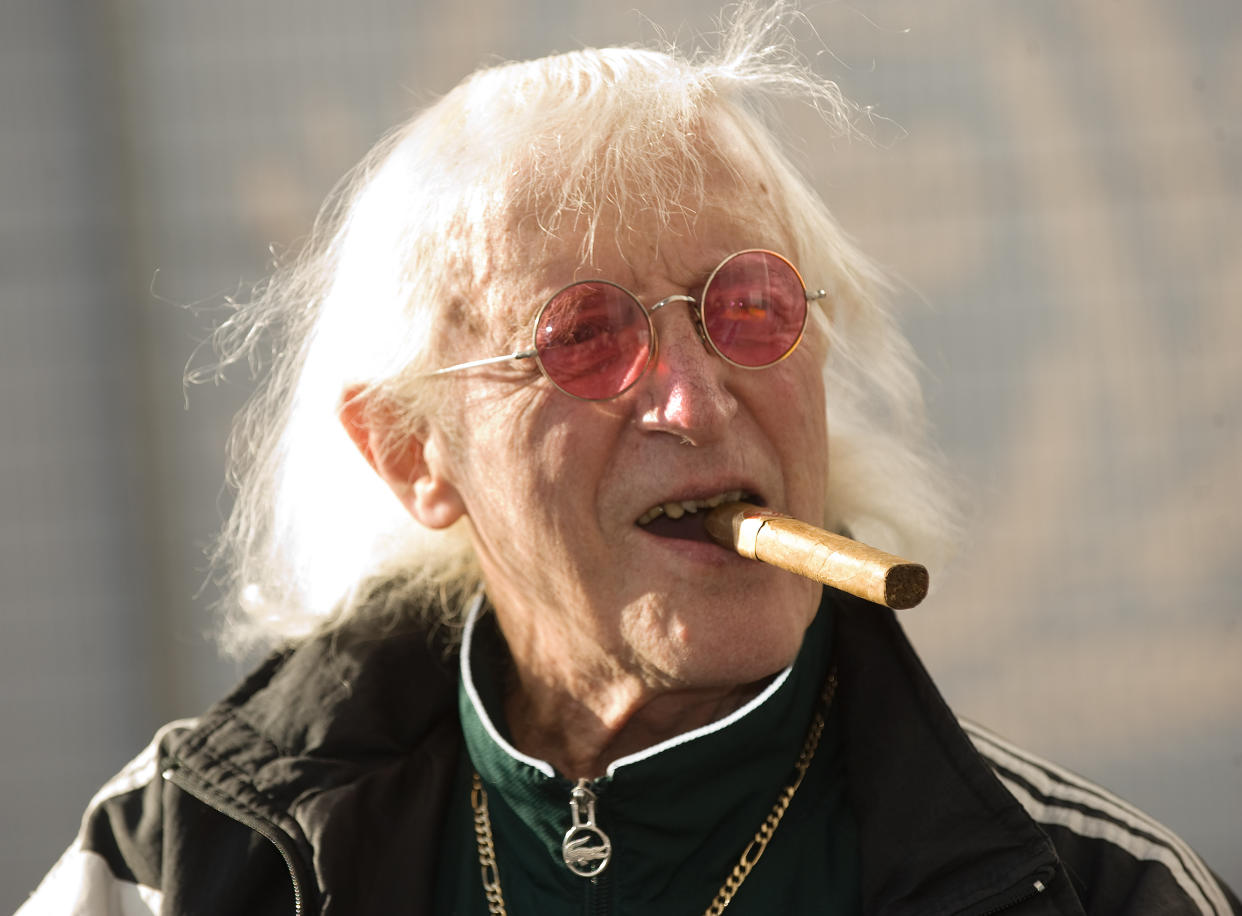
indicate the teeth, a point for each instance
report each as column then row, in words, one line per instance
column 681, row 507
column 650, row 515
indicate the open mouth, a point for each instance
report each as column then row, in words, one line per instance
column 683, row 519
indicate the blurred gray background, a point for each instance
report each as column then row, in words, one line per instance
column 1056, row 186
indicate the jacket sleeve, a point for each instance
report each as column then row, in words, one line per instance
column 113, row 867
column 1120, row 860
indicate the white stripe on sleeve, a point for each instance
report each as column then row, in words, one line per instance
column 82, row 884
column 1116, row 821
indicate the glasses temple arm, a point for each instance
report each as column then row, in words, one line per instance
column 521, row 354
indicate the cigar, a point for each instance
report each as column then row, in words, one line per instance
column 834, row 560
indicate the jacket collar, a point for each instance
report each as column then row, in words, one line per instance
column 938, row 833
column 341, row 752
column 685, row 806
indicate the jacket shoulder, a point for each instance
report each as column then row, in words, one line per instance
column 113, row 865
column 1120, row 859
column 144, row 845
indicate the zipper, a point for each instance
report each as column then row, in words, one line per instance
column 268, row 831
column 598, row 897
column 1033, row 887
column 586, row 848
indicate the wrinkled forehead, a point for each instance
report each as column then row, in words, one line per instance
column 522, row 256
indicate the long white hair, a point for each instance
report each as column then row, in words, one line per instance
column 315, row 539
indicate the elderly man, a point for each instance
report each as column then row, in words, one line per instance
column 557, row 317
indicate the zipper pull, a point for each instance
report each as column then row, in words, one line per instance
column 586, row 849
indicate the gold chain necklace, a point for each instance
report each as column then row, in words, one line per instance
column 750, row 855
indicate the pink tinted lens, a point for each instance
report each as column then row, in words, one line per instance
column 754, row 308
column 593, row 340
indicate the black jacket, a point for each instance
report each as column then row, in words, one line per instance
column 320, row 786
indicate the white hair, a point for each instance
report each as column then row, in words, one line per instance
column 315, row 538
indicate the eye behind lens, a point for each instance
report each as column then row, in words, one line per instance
column 593, row 340
column 754, row 309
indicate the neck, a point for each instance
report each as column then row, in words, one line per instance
column 581, row 729
column 581, row 697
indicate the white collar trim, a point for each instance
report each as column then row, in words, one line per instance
column 474, row 612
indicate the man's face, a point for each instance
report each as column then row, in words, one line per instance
column 554, row 486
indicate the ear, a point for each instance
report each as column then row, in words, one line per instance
column 410, row 464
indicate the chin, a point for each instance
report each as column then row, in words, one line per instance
column 736, row 645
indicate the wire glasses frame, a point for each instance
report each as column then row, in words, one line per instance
column 590, row 343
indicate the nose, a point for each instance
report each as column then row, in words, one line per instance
column 685, row 393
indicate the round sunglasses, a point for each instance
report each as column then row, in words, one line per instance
column 594, row 339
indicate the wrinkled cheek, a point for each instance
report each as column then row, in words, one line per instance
column 805, row 428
